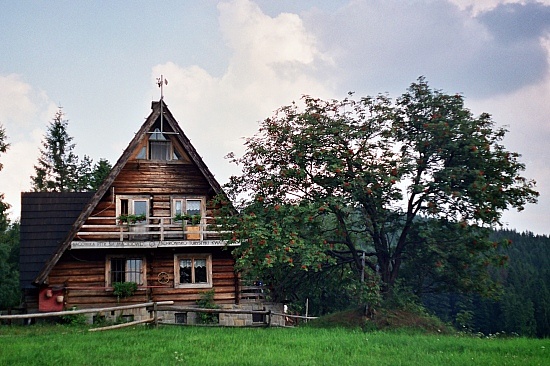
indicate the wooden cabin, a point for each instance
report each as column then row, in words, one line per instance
column 150, row 222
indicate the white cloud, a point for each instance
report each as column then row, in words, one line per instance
column 366, row 46
column 478, row 6
column 274, row 61
column 23, row 113
column 21, row 105
column 18, row 168
column 525, row 113
column 377, row 46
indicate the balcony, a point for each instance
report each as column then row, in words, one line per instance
column 109, row 232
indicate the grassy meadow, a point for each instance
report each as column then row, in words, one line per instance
column 172, row 345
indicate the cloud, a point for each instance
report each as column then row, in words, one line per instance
column 478, row 6
column 21, row 105
column 15, row 176
column 525, row 113
column 367, row 47
column 274, row 61
column 23, row 113
column 382, row 45
column 511, row 23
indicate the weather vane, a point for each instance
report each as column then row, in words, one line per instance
column 160, row 82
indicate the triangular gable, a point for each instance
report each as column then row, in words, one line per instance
column 190, row 151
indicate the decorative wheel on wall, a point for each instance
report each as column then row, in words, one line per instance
column 163, row 278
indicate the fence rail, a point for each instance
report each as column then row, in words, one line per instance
column 85, row 311
column 157, row 306
column 255, row 293
column 214, row 311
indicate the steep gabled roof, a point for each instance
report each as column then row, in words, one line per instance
column 156, row 107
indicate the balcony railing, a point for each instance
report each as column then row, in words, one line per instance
column 152, row 228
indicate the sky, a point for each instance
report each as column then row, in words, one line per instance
column 230, row 64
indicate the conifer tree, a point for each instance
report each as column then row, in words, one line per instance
column 59, row 169
column 100, row 171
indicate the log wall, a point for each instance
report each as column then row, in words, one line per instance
column 82, row 274
column 160, row 181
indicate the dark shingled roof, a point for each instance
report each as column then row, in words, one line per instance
column 46, row 219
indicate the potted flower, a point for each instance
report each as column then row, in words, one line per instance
column 124, row 289
column 131, row 219
column 189, row 224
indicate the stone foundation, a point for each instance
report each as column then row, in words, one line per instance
column 189, row 317
column 231, row 319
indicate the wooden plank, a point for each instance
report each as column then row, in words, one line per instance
column 72, row 265
column 123, row 325
column 213, row 311
column 85, row 311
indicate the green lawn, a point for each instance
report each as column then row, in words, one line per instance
column 169, row 345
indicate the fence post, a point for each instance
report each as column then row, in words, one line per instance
column 307, row 308
column 155, row 314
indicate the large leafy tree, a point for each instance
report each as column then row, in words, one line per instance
column 59, row 169
column 373, row 185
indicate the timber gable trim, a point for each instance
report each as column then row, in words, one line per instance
column 190, row 150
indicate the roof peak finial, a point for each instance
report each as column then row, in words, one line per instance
column 161, row 82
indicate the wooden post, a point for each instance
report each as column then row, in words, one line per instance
column 155, row 315
column 307, row 308
column 238, row 288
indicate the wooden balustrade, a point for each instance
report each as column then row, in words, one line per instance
column 157, row 228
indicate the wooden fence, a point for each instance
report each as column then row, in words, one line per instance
column 153, row 319
column 155, row 307
column 251, row 293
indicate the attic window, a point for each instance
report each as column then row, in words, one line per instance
column 158, row 136
column 160, row 147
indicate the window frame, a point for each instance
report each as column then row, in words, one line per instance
column 193, row 257
column 126, row 257
column 174, row 150
column 131, row 208
column 184, row 200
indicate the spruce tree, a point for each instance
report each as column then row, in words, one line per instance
column 100, row 171
column 59, row 169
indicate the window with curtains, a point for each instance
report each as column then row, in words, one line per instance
column 191, row 206
column 124, row 269
column 193, row 270
column 160, row 147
